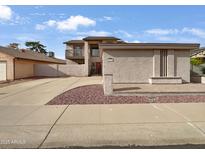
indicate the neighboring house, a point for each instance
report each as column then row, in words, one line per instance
column 17, row 64
column 198, row 68
column 198, row 53
column 86, row 51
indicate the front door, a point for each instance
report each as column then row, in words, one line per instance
column 96, row 68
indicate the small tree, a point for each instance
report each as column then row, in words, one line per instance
column 36, row 46
column 14, row 45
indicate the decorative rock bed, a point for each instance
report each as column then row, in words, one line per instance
column 93, row 94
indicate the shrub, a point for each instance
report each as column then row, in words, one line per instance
column 197, row 61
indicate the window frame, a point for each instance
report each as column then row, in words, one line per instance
column 80, row 49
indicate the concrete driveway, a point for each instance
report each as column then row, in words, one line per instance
column 39, row 92
column 25, row 122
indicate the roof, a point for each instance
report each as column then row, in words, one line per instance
column 97, row 38
column 189, row 46
column 198, row 51
column 30, row 55
column 74, row 42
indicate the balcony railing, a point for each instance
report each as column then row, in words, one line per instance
column 70, row 54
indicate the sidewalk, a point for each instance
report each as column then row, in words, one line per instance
column 117, row 125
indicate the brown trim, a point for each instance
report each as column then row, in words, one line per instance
column 188, row 46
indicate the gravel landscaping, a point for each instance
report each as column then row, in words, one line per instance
column 93, row 94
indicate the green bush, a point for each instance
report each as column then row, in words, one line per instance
column 197, row 61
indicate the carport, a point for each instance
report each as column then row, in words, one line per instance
column 20, row 63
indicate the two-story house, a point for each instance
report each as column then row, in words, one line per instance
column 86, row 51
column 120, row 62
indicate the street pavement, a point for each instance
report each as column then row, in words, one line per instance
column 26, row 122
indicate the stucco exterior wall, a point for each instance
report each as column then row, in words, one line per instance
column 87, row 58
column 95, row 59
column 182, row 64
column 69, row 51
column 130, row 66
column 9, row 66
column 56, row 70
column 23, row 69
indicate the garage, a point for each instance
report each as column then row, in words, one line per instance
column 20, row 63
column 2, row 70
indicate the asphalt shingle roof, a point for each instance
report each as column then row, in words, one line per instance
column 30, row 55
column 91, row 38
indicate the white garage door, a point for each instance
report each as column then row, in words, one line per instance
column 2, row 71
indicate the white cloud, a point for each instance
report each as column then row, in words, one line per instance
column 38, row 14
column 9, row 17
column 38, row 7
column 159, row 31
column 185, row 34
column 178, row 38
column 136, row 41
column 107, row 18
column 77, row 38
column 165, row 38
column 72, row 23
column 40, row 27
column 124, row 33
column 194, row 31
column 5, row 13
column 51, row 23
column 27, row 37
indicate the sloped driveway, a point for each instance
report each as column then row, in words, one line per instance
column 39, row 92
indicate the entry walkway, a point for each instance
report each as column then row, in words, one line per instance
column 159, row 88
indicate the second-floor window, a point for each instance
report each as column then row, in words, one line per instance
column 95, row 52
column 78, row 50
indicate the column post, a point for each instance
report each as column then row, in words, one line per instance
column 156, row 63
column 107, row 84
column 86, row 56
column 170, row 63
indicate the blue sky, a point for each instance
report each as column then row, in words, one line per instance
column 52, row 25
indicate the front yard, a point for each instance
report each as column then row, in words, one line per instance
column 93, row 94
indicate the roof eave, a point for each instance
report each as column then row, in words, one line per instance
column 149, row 46
column 100, row 38
column 45, row 61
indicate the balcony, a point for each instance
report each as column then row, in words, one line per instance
column 70, row 54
